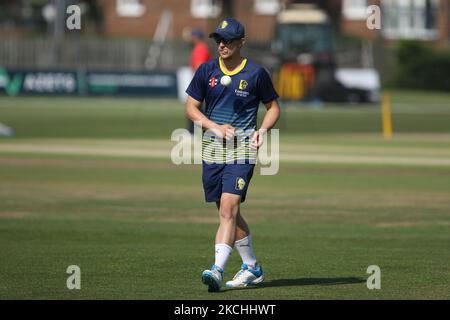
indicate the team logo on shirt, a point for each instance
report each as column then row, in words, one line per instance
column 243, row 85
column 240, row 183
column 241, row 92
column 213, row 82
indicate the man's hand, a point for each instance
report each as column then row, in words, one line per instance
column 224, row 131
column 271, row 117
column 257, row 139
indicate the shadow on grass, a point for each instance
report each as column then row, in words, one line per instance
column 302, row 282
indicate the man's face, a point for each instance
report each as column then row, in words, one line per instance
column 227, row 49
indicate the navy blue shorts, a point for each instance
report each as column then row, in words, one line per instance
column 229, row 178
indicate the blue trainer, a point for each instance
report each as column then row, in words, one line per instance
column 213, row 278
column 247, row 276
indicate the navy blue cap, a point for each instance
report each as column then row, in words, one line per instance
column 229, row 29
column 197, row 32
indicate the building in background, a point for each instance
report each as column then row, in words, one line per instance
column 427, row 20
column 148, row 34
column 141, row 17
column 401, row 19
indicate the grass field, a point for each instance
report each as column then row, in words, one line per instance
column 89, row 182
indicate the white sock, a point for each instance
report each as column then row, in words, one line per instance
column 223, row 252
column 245, row 249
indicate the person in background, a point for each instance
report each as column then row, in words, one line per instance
column 200, row 54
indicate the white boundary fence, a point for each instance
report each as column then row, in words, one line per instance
column 90, row 53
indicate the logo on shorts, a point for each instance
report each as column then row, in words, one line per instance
column 240, row 183
column 243, row 85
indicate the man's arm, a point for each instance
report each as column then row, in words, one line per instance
column 272, row 115
column 195, row 115
column 270, row 119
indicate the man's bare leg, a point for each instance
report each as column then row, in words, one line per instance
column 234, row 227
column 242, row 229
column 225, row 236
column 242, row 238
column 228, row 211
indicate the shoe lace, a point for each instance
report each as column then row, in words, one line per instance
column 240, row 272
column 216, row 270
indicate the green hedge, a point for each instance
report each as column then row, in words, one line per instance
column 422, row 67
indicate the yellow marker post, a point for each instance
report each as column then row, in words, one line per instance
column 386, row 115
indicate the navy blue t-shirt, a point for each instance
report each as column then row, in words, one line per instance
column 236, row 104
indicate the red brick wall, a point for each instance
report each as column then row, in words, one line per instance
column 359, row 27
column 258, row 27
column 145, row 25
column 444, row 23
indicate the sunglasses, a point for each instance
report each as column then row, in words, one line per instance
column 219, row 40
